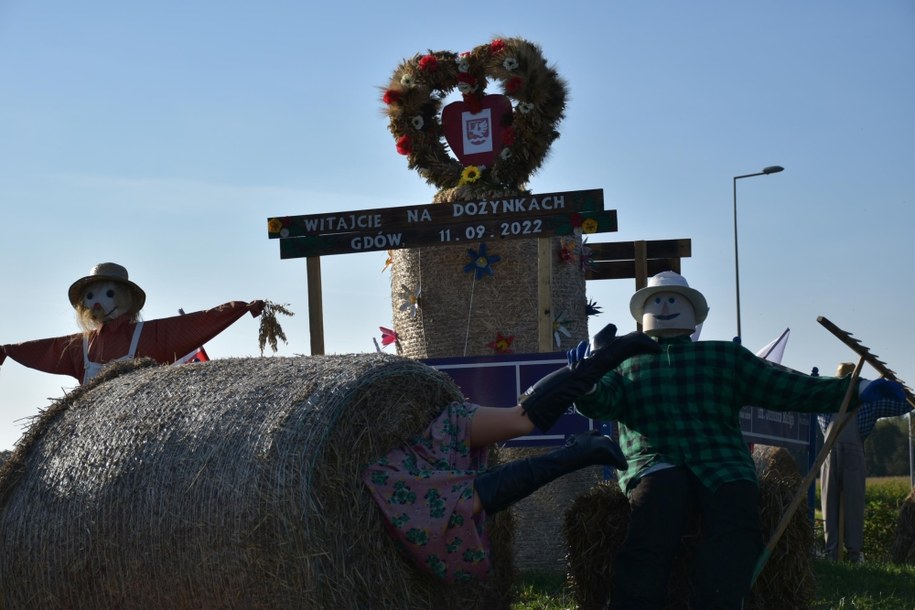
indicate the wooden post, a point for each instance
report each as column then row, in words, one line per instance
column 641, row 269
column 544, row 294
column 315, row 306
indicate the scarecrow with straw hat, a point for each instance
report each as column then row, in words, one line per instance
column 108, row 305
column 678, row 411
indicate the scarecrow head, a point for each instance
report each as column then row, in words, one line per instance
column 105, row 294
column 668, row 307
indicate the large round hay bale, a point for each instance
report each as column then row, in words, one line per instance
column 227, row 484
column 903, row 549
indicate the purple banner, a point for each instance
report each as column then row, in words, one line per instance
column 498, row 381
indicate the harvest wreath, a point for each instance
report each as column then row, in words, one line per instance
column 419, row 85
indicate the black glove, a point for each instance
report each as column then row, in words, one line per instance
column 549, row 398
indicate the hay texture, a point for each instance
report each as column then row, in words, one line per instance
column 903, row 549
column 595, row 527
column 226, row 484
column 787, row 582
column 460, row 315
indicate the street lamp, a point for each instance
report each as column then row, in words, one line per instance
column 772, row 169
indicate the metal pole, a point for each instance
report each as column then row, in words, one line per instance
column 736, row 260
column 772, row 169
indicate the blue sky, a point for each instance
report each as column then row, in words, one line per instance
column 163, row 135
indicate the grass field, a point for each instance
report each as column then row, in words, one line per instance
column 870, row 586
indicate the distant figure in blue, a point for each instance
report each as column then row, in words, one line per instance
column 843, row 475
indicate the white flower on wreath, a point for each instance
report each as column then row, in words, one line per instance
column 505, row 154
column 466, row 88
column 407, row 80
column 463, row 62
column 510, row 63
column 410, row 300
column 525, row 107
column 417, row 122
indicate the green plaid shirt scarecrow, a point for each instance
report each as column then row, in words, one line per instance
column 682, row 406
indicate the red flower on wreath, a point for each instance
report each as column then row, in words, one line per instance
column 497, row 46
column 514, row 84
column 508, row 136
column 428, row 63
column 391, row 96
column 501, row 344
column 404, row 145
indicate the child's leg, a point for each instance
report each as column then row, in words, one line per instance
column 494, row 424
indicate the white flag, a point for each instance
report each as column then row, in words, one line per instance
column 775, row 349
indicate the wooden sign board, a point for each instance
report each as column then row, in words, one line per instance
column 399, row 219
column 494, row 228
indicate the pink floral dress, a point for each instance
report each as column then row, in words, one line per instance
column 425, row 490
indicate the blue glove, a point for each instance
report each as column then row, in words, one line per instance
column 579, row 352
column 880, row 389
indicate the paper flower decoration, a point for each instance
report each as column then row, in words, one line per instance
column 389, row 262
column 481, row 262
column 559, row 328
column 567, row 250
column 501, row 344
column 388, row 336
column 410, row 300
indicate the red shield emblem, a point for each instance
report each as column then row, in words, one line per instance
column 476, row 138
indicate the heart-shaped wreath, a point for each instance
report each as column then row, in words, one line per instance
column 538, row 97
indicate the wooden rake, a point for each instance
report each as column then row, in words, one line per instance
column 842, row 418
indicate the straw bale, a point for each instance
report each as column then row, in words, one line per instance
column 594, row 528
column 788, row 581
column 903, row 550
column 595, row 525
column 226, row 484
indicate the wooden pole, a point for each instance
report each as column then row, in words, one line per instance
column 315, row 305
column 545, row 294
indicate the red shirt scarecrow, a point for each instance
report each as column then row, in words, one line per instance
column 108, row 308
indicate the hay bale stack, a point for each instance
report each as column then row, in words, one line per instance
column 903, row 550
column 787, row 582
column 227, row 484
column 594, row 529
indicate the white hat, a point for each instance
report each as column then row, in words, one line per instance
column 668, row 281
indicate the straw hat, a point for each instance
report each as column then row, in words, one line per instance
column 668, row 281
column 106, row 272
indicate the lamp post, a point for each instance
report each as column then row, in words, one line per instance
column 772, row 169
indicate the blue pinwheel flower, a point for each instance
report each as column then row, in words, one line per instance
column 480, row 262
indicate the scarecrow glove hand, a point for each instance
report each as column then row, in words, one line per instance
column 256, row 308
column 880, row 389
